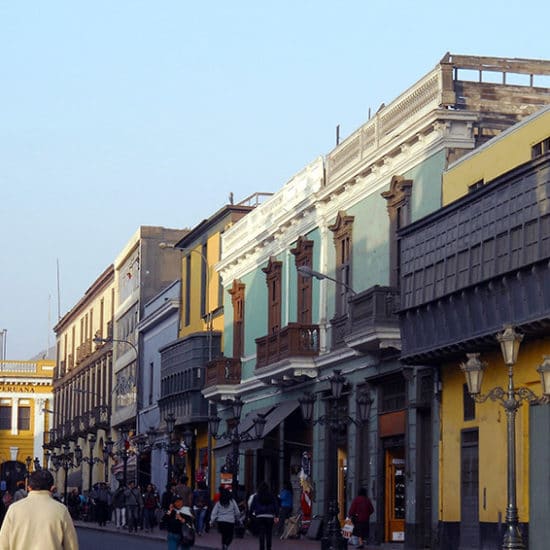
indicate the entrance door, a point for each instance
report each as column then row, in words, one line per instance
column 469, row 491
column 395, row 495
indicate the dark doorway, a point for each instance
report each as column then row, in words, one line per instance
column 469, row 490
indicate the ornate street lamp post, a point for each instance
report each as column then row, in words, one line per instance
column 107, row 451
column 511, row 399
column 235, row 436
column 64, row 460
column 336, row 421
column 190, row 445
column 91, row 460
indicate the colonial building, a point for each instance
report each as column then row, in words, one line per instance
column 184, row 359
column 26, row 400
column 467, row 270
column 83, row 386
column 294, row 338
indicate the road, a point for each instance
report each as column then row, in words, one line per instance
column 91, row 539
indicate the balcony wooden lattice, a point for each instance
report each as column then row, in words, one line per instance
column 223, row 371
column 294, row 340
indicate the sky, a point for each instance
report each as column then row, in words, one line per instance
column 120, row 114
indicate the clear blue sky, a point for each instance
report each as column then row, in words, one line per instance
column 116, row 114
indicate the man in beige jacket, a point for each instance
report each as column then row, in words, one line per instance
column 38, row 521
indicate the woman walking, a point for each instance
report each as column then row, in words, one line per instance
column 265, row 511
column 225, row 513
column 177, row 515
column 360, row 511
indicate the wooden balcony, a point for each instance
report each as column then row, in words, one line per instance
column 287, row 355
column 373, row 320
column 223, row 371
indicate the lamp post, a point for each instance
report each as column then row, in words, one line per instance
column 91, row 460
column 336, row 421
column 64, row 460
column 107, row 451
column 190, row 445
column 511, row 399
column 306, row 271
column 235, row 436
column 172, row 446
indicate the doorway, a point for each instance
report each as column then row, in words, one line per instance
column 469, row 490
column 395, row 494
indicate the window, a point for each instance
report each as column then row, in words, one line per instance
column 469, row 405
column 237, row 300
column 273, row 273
column 399, row 211
column 5, row 417
column 540, row 148
column 187, row 290
column 393, row 395
column 151, row 381
column 304, row 257
column 23, row 418
column 342, row 230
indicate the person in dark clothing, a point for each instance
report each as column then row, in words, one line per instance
column 176, row 515
column 225, row 513
column 201, row 504
column 265, row 511
column 360, row 511
column 102, row 500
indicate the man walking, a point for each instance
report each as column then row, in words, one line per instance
column 38, row 521
column 134, row 502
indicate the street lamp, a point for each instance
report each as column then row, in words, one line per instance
column 306, row 271
column 234, row 436
column 107, row 452
column 64, row 460
column 332, row 539
column 511, row 399
column 172, row 446
column 91, row 460
column 190, row 445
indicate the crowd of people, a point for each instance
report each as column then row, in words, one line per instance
column 134, row 509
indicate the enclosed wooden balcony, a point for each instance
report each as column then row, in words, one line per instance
column 223, row 375
column 288, row 354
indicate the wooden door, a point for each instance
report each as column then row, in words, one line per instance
column 395, row 495
column 469, row 491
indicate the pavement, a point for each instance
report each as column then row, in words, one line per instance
column 211, row 540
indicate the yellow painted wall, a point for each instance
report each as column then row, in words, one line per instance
column 196, row 321
column 491, row 422
column 498, row 156
column 17, row 381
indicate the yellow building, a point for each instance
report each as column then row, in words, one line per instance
column 183, row 363
column 25, row 399
column 476, row 265
column 516, row 145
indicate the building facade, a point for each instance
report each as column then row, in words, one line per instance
column 338, row 220
column 26, row 399
column 467, row 270
column 82, row 385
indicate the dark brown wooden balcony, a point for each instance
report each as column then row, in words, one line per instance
column 287, row 354
column 373, row 319
column 223, row 371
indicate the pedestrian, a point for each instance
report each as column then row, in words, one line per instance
column 133, row 503
column 224, row 515
column 101, row 497
column 119, row 504
column 150, row 504
column 73, row 503
column 184, row 491
column 20, row 491
column 175, row 517
column 285, row 498
column 360, row 512
column 201, row 504
column 38, row 521
column 265, row 510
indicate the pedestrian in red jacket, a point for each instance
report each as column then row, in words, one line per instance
column 360, row 512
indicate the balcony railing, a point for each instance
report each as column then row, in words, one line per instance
column 372, row 321
column 294, row 340
column 223, row 371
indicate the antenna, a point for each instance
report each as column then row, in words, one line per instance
column 338, row 134
column 58, row 293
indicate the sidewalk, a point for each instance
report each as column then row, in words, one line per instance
column 211, row 541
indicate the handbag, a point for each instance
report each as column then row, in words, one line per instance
column 187, row 534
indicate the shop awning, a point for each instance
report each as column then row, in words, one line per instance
column 275, row 415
